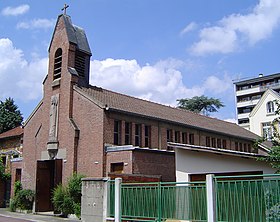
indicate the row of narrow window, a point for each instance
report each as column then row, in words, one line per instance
column 186, row 139
column 243, row 147
column 216, row 142
column 179, row 137
column 129, row 139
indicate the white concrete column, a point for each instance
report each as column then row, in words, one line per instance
column 118, row 210
column 94, row 199
column 211, row 198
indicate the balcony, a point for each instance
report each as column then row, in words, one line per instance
column 247, row 103
column 248, row 91
column 270, row 86
column 245, row 126
column 243, row 115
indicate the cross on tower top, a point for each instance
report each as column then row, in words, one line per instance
column 64, row 8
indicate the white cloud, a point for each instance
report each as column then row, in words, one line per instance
column 161, row 82
column 37, row 24
column 190, row 27
column 14, row 11
column 236, row 29
column 231, row 120
column 216, row 85
column 20, row 79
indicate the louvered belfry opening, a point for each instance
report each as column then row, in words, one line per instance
column 80, row 62
column 57, row 64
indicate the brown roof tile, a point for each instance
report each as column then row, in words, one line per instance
column 18, row 131
column 124, row 103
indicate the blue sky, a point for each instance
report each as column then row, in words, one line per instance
column 152, row 49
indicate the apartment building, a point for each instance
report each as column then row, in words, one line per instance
column 248, row 93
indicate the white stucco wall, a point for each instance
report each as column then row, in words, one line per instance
column 261, row 115
column 193, row 162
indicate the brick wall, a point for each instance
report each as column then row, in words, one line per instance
column 14, row 167
column 154, row 163
column 89, row 119
column 134, row 178
column 120, row 157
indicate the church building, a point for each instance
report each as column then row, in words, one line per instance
column 77, row 127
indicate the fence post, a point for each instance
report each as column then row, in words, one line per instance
column 118, row 210
column 159, row 202
column 211, row 198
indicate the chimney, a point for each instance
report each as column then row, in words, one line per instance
column 260, row 75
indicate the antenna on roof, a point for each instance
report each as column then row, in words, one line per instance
column 64, row 8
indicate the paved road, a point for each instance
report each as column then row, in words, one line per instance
column 10, row 219
column 7, row 216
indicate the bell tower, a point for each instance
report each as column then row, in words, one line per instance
column 69, row 62
column 69, row 52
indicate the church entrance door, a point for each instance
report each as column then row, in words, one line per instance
column 48, row 176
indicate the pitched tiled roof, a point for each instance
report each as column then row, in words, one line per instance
column 124, row 103
column 18, row 131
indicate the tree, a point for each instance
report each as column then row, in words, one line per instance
column 10, row 115
column 200, row 104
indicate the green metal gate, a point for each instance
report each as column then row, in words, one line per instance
column 161, row 201
column 253, row 198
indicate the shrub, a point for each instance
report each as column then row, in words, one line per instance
column 75, row 187
column 24, row 199
column 58, row 197
column 12, row 205
column 67, row 199
column 17, row 187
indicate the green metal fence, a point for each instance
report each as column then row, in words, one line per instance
column 248, row 198
column 254, row 198
column 161, row 201
column 111, row 199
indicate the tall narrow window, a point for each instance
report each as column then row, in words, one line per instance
column 267, row 131
column 213, row 142
column 191, row 139
column 236, row 146
column 245, row 147
column 117, row 132
column 224, row 144
column 127, row 133
column 57, row 64
column 18, row 175
column 80, row 61
column 207, row 141
column 184, row 137
column 137, row 134
column 249, row 148
column 240, row 147
column 169, row 135
column 219, row 143
column 177, row 136
column 147, row 136
column 270, row 107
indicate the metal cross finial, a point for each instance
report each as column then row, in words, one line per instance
column 64, row 8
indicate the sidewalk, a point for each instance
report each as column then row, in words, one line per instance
column 34, row 217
